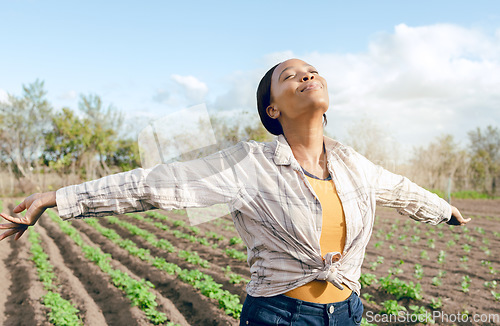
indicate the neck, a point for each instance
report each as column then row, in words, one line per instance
column 306, row 142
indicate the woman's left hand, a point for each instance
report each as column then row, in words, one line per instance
column 457, row 218
column 34, row 205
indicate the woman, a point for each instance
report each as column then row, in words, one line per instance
column 304, row 204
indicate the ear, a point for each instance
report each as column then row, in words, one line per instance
column 272, row 112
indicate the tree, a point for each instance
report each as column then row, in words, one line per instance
column 23, row 121
column 103, row 125
column 88, row 145
column 370, row 140
column 66, row 142
column 485, row 158
column 439, row 162
column 126, row 156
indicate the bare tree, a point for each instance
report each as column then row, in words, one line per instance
column 370, row 140
column 437, row 163
column 23, row 121
column 485, row 158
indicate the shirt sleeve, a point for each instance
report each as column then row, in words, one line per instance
column 203, row 182
column 396, row 191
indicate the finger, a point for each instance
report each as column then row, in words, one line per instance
column 19, row 234
column 33, row 213
column 19, row 208
column 8, row 226
column 12, row 219
column 8, row 233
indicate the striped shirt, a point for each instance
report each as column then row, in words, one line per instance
column 273, row 206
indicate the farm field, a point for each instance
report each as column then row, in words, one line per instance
column 153, row 268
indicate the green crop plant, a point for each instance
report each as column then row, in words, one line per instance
column 419, row 272
column 465, row 284
column 213, row 235
column 480, row 230
column 236, row 254
column 392, row 247
column 441, row 257
column 431, row 243
column 378, row 244
column 179, row 211
column 391, row 307
column 193, row 258
column 450, row 243
column 235, row 240
column 491, row 284
column 179, row 223
column 436, row 281
column 61, row 312
column 421, row 314
column 400, row 288
column 424, row 255
column 496, row 295
column 368, row 298
column 486, row 250
column 436, row 303
column 395, row 271
column 367, row 279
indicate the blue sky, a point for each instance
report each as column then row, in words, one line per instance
column 150, row 57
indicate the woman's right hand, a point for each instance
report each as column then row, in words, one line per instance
column 34, row 205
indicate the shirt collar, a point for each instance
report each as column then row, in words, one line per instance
column 283, row 154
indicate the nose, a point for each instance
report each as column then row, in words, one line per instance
column 307, row 76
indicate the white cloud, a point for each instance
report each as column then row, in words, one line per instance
column 4, row 97
column 416, row 82
column 424, row 80
column 194, row 89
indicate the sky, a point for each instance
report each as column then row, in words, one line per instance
column 416, row 69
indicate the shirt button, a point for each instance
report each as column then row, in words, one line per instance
column 331, row 309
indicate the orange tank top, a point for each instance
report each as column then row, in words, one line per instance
column 333, row 233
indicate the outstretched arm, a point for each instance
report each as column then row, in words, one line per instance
column 34, row 205
column 457, row 218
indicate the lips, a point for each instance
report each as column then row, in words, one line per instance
column 311, row 86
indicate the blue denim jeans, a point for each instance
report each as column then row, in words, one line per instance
column 283, row 310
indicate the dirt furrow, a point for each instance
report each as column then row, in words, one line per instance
column 207, row 253
column 23, row 305
column 215, row 256
column 194, row 307
column 5, row 282
column 71, row 287
column 115, row 307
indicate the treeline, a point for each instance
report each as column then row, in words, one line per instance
column 41, row 148
column 36, row 142
column 444, row 166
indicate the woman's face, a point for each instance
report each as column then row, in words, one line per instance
column 297, row 89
